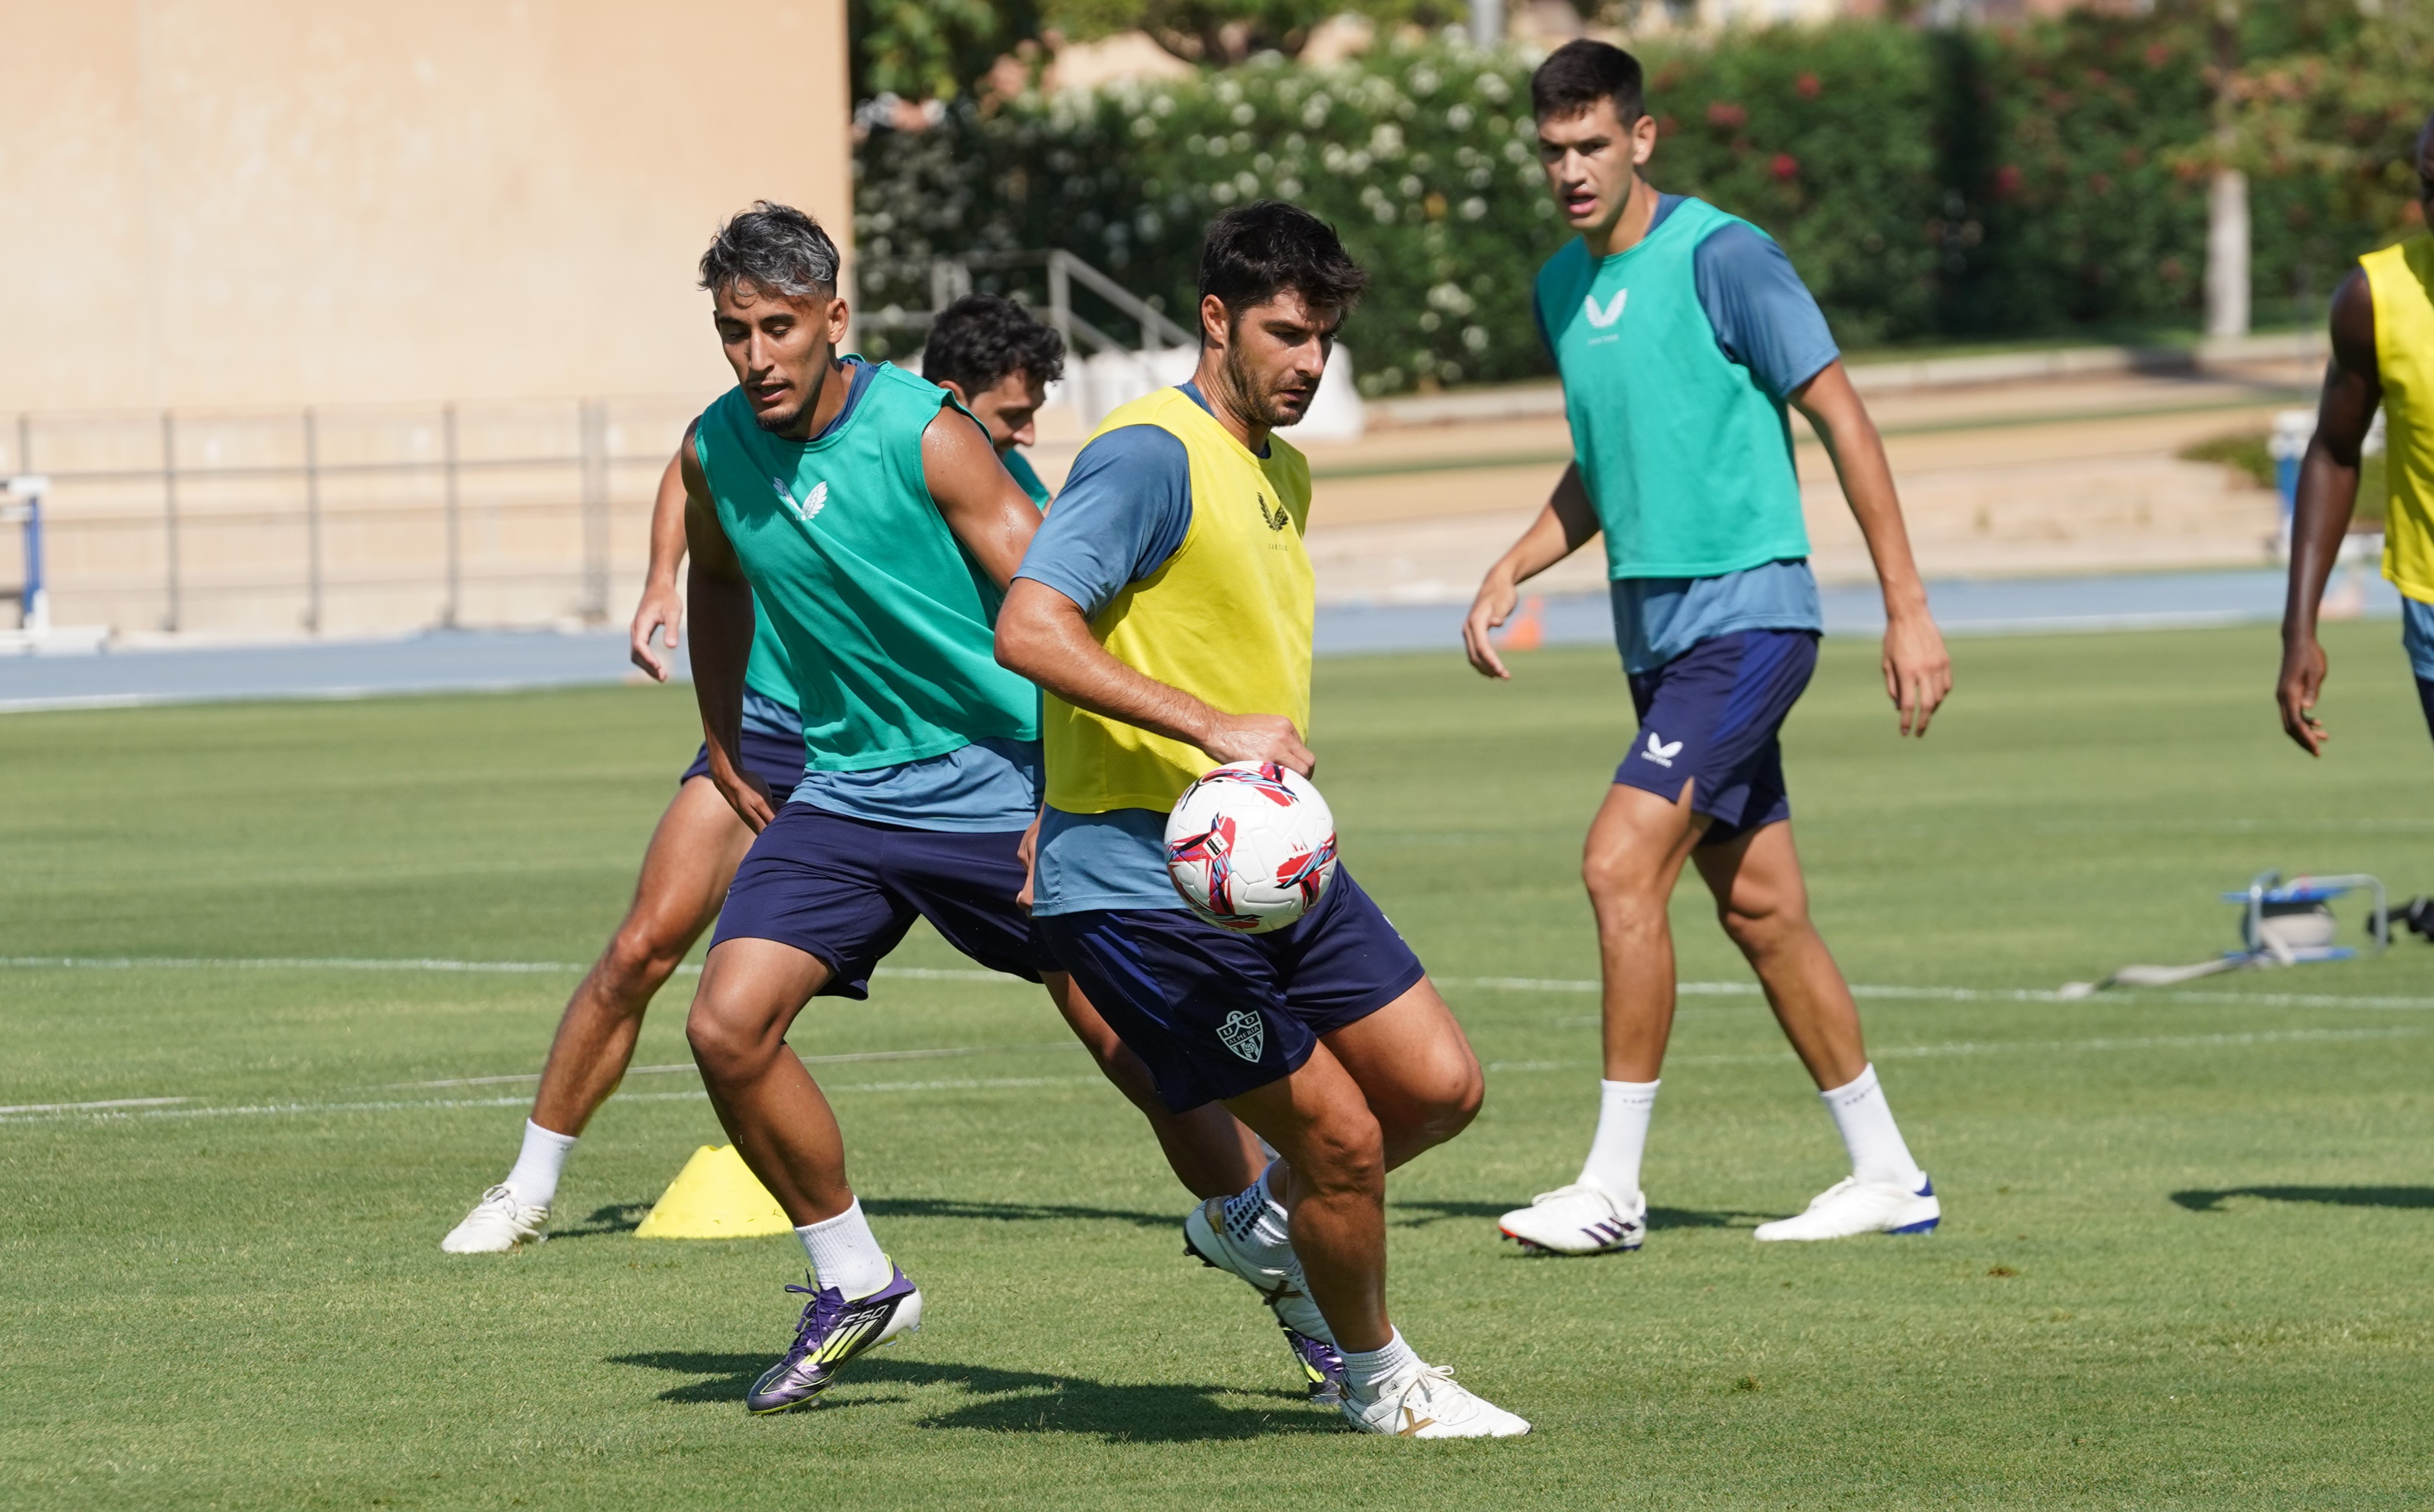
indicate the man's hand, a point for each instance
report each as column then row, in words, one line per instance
column 1497, row 594
column 2302, row 683
column 1918, row 671
column 1026, row 850
column 662, row 608
column 1258, row 738
column 745, row 793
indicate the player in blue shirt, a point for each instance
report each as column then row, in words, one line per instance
column 1682, row 335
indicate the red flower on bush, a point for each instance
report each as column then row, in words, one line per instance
column 1785, row 168
column 1724, row 113
column 2007, row 182
column 2158, row 55
column 2100, row 184
column 1807, row 86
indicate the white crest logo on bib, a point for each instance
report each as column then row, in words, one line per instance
column 1608, row 316
column 1243, row 1034
column 808, row 507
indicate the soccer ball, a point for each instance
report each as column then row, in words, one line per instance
column 1251, row 846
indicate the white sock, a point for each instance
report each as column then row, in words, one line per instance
column 1254, row 1220
column 1364, row 1372
column 1613, row 1166
column 533, row 1180
column 844, row 1254
column 1877, row 1153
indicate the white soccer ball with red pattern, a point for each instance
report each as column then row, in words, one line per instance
column 1251, row 846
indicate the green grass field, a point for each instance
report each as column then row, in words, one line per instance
column 2185, row 1258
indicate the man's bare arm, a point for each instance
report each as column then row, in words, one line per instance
column 983, row 504
column 1918, row 670
column 2328, row 479
column 724, row 616
column 661, row 606
column 1567, row 523
column 1044, row 636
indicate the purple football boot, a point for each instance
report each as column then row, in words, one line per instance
column 832, row 1332
column 1320, row 1365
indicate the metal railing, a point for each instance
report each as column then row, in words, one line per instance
column 352, row 519
column 950, row 279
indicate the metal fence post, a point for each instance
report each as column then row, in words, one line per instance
column 594, row 607
column 172, row 619
column 312, row 522
column 454, row 612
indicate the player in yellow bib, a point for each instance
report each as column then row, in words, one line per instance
column 2383, row 354
column 1164, row 608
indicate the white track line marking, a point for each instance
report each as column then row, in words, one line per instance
column 688, row 1066
column 1528, row 984
column 1915, row 1052
column 82, row 1107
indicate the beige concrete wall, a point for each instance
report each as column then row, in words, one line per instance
column 281, row 202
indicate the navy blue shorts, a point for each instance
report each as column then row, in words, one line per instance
column 1712, row 716
column 1214, row 1013
column 846, row 889
column 776, row 759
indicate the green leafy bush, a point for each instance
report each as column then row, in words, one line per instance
column 1926, row 184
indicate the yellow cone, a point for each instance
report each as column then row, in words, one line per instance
column 715, row 1197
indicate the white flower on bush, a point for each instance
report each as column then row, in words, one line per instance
column 1315, row 113
column 1459, row 118
column 1475, row 337
column 1387, row 140
column 1245, row 115
column 1474, row 208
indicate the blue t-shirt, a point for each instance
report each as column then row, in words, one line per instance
column 1125, row 509
column 1766, row 320
column 986, row 787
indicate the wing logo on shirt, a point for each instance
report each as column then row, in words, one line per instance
column 1277, row 519
column 817, row 501
column 1602, row 318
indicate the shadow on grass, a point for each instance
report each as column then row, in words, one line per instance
column 1489, row 1212
column 2345, row 1196
column 947, row 1207
column 617, row 1217
column 1019, row 1401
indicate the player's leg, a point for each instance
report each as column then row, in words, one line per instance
column 693, row 854
column 1633, row 856
column 1206, row 1147
column 807, row 913
column 1762, row 900
column 1336, row 1151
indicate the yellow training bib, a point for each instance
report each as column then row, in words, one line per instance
column 1225, row 619
column 2401, row 281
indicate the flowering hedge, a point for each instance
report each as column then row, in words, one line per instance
column 1926, row 184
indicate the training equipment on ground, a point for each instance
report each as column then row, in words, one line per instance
column 830, row 1332
column 715, row 1197
column 1427, row 1402
column 1852, row 1206
column 2281, row 924
column 1579, row 1220
column 1251, row 846
column 500, row 1222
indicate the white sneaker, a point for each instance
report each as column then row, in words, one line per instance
column 1579, row 1220
column 500, row 1222
column 1428, row 1404
column 1281, row 1287
column 1851, row 1206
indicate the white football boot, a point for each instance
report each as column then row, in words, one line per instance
column 1851, row 1207
column 500, row 1222
column 1427, row 1402
column 1281, row 1287
column 1579, row 1220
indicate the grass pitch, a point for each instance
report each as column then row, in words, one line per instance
column 2184, row 1262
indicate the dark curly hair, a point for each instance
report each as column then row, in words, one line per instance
column 978, row 340
column 1256, row 250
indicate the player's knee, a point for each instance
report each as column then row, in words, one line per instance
column 725, row 1043
column 1622, row 892
column 1759, row 923
column 1345, row 1153
column 642, row 955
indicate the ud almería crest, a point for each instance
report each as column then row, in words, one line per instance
column 1243, row 1034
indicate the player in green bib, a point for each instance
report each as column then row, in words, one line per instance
column 1684, row 339
column 996, row 360
column 865, row 514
